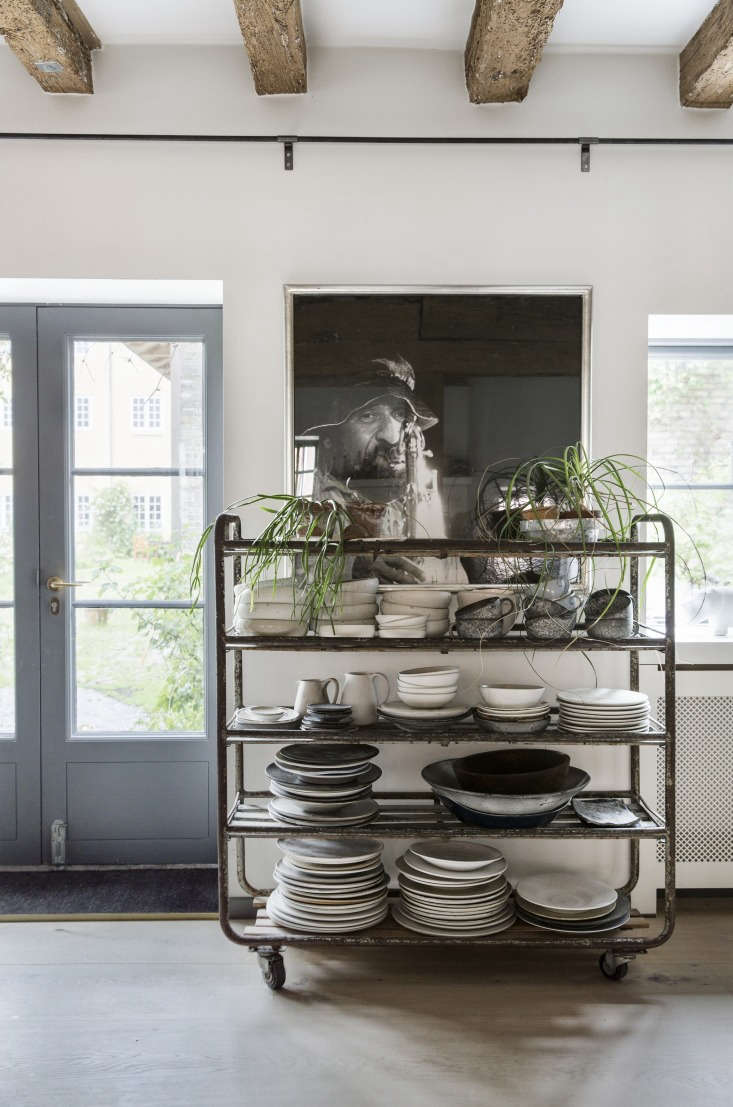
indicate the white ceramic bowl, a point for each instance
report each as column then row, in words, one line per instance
column 355, row 613
column 267, row 714
column 463, row 599
column 426, row 699
column 402, row 620
column 390, row 608
column 403, row 632
column 420, row 597
column 270, row 611
column 436, row 628
column 346, row 630
column 511, row 695
column 436, row 676
column 366, row 586
column 272, row 628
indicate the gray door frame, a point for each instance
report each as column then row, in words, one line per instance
column 20, row 757
column 139, row 758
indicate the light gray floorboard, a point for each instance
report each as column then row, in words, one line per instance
column 145, row 1014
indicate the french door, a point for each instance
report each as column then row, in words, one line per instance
column 115, row 428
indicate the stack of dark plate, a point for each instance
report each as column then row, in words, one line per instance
column 570, row 903
column 323, row 785
column 453, row 889
column 329, row 885
column 327, row 718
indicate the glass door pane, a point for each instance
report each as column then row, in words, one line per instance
column 136, row 428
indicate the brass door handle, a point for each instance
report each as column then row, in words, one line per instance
column 55, row 584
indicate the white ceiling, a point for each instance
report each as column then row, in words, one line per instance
column 418, row 24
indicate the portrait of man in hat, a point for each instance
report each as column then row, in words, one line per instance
column 371, row 456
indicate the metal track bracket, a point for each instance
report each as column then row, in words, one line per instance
column 288, row 142
column 585, row 145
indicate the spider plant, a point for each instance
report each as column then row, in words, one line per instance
column 317, row 572
column 599, row 494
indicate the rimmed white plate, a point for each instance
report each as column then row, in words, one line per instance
column 502, row 923
column 413, row 862
column 460, row 894
column 332, row 851
column 567, row 892
column 603, row 697
column 289, row 717
column 397, row 710
column 350, row 814
column 560, row 916
column 455, row 854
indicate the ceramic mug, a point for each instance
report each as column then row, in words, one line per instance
column 314, row 690
column 360, row 692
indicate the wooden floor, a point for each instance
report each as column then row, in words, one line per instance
column 133, row 1014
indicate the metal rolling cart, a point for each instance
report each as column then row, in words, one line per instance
column 242, row 814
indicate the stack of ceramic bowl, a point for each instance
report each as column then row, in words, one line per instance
column 349, row 611
column 323, row 785
column 570, row 903
column 329, row 885
column 273, row 608
column 512, row 709
column 327, row 718
column 453, row 889
column 485, row 615
column 428, row 686
column 425, row 698
column 509, row 789
column 583, row 709
column 404, row 602
column 267, row 718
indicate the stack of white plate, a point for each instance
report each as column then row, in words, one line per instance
column 453, row 888
column 570, row 903
column 349, row 611
column 513, row 720
column 584, row 709
column 329, row 885
column 273, row 608
column 429, row 686
column 418, row 603
column 323, row 785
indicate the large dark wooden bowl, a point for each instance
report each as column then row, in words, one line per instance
column 513, row 772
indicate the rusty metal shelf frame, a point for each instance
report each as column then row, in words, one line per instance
column 228, row 544
column 506, row 644
column 445, row 736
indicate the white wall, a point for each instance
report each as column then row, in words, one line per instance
column 649, row 229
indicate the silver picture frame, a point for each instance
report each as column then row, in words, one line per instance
column 293, row 291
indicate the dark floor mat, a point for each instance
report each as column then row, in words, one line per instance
column 109, row 891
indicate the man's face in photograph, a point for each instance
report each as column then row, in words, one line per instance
column 371, row 442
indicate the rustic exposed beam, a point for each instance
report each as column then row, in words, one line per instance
column 53, row 40
column 706, row 63
column 275, row 40
column 504, row 45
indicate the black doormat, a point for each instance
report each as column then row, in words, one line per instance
column 105, row 892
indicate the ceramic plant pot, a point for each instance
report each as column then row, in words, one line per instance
column 609, row 614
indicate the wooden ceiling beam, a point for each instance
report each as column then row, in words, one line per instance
column 504, row 46
column 706, row 63
column 53, row 40
column 273, row 35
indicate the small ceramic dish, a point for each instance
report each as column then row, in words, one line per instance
column 273, row 628
column 267, row 714
column 437, row 677
column 511, row 695
column 513, row 726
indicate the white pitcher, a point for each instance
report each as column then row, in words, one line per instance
column 313, row 690
column 360, row 692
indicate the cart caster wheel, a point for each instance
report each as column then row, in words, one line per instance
column 611, row 967
column 272, row 968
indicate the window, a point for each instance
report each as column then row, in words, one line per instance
column 138, row 508
column 6, row 513
column 146, row 413
column 690, row 441
column 6, row 413
column 305, row 463
column 83, row 512
column 155, row 512
column 148, row 512
column 83, row 413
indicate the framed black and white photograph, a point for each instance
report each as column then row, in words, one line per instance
column 401, row 398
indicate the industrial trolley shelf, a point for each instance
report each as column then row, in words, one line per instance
column 242, row 813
